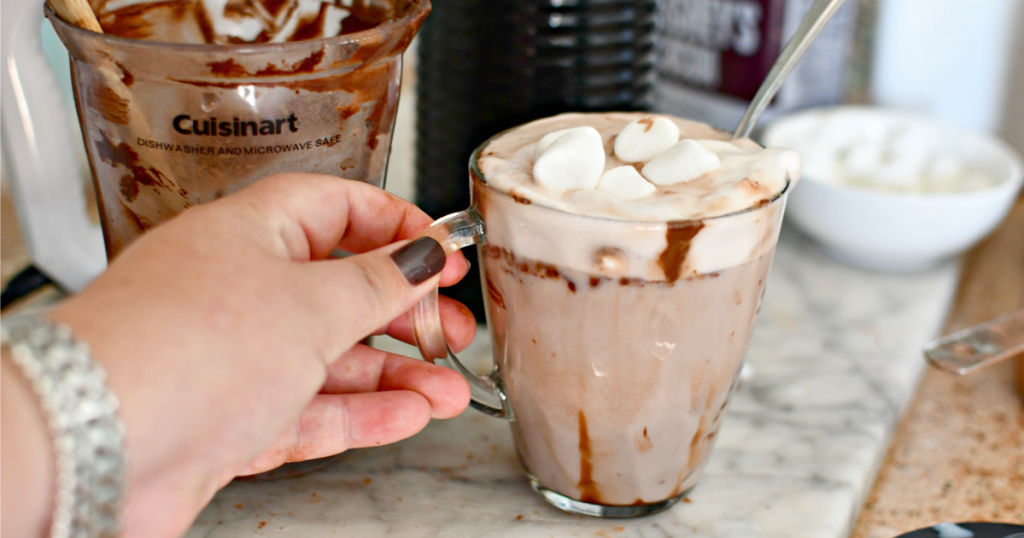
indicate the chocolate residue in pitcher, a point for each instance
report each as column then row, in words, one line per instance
column 274, row 7
column 136, row 222
column 230, row 69
column 311, row 28
column 305, row 65
column 139, row 173
column 130, row 21
column 108, row 103
column 126, row 77
column 161, row 20
column 355, row 24
column 678, row 238
column 205, row 26
column 588, row 489
column 346, row 112
column 368, row 84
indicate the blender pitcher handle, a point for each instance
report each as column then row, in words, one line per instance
column 38, row 147
column 455, row 232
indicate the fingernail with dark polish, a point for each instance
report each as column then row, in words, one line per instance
column 419, row 260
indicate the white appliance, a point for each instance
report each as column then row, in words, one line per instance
column 947, row 58
column 43, row 151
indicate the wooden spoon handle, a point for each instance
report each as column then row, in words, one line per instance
column 77, row 12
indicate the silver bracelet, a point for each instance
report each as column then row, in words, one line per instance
column 81, row 413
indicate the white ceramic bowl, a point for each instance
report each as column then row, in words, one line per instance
column 891, row 230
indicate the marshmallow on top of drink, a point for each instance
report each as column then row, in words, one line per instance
column 665, row 173
column 635, row 166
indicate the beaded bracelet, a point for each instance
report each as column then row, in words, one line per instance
column 81, row 413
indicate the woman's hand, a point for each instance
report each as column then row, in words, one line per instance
column 232, row 340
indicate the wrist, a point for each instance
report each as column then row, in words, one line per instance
column 85, row 432
column 27, row 481
column 169, row 477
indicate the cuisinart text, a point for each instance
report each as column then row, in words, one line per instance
column 184, row 124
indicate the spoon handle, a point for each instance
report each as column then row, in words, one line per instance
column 979, row 346
column 818, row 16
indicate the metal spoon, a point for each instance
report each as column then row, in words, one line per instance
column 977, row 347
column 818, row 16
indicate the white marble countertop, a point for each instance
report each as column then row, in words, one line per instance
column 834, row 360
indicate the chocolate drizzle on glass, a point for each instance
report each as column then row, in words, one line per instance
column 678, row 239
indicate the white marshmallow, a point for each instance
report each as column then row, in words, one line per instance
column 573, row 161
column 863, row 158
column 945, row 166
column 976, row 181
column 642, row 139
column 898, row 174
column 719, row 146
column 685, row 161
column 625, row 183
column 544, row 143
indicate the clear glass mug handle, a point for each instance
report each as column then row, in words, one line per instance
column 455, row 232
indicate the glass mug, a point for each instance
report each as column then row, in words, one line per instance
column 167, row 126
column 614, row 366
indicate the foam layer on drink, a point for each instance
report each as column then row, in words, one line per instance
column 234, row 21
column 711, row 223
column 749, row 175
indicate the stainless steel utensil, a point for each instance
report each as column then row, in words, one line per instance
column 818, row 16
column 971, row 349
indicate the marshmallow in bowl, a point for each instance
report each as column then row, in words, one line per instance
column 896, row 153
column 643, row 139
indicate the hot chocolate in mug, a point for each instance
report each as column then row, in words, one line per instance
column 616, row 348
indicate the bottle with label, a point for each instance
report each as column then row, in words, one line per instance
column 488, row 65
column 713, row 55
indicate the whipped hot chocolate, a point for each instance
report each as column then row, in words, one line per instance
column 623, row 274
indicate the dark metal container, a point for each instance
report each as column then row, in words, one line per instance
column 488, row 65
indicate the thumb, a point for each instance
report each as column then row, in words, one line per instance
column 362, row 293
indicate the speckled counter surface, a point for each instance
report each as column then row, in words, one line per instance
column 835, row 359
column 959, row 452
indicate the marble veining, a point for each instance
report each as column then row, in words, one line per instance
column 834, row 360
